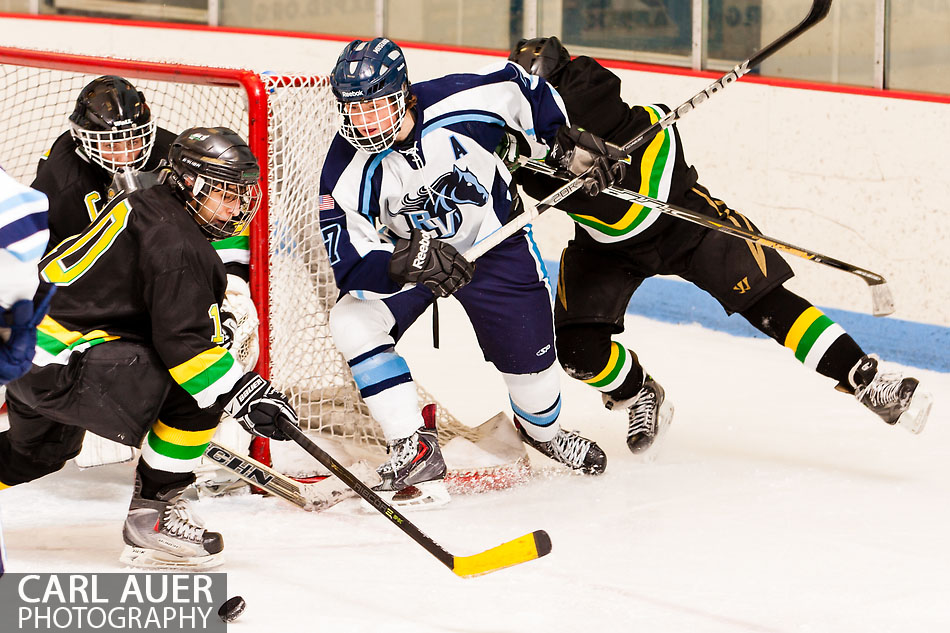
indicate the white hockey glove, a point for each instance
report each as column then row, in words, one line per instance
column 581, row 152
column 239, row 323
column 257, row 406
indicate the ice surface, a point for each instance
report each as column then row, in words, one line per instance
column 777, row 505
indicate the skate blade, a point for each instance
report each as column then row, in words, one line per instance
column 649, row 454
column 144, row 558
column 915, row 418
column 422, row 496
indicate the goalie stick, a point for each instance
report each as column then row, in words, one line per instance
column 882, row 302
column 819, row 9
column 514, row 552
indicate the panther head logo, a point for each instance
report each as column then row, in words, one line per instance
column 436, row 207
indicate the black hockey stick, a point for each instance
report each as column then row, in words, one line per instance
column 819, row 9
column 882, row 302
column 519, row 550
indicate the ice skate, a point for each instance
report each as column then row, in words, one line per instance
column 571, row 449
column 649, row 415
column 895, row 399
column 163, row 533
column 415, row 472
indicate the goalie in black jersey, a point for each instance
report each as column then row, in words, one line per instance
column 132, row 349
column 110, row 129
column 616, row 246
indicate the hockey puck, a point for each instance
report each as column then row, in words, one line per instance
column 232, row 609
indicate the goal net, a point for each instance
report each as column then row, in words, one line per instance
column 289, row 121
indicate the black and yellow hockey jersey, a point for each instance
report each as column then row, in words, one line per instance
column 657, row 169
column 141, row 271
column 77, row 188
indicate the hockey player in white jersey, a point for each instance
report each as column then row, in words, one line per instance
column 24, row 233
column 409, row 183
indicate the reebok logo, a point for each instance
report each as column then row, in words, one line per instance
column 423, row 252
column 352, row 93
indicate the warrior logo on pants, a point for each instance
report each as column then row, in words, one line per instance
column 436, row 207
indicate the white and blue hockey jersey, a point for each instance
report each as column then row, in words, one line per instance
column 445, row 179
column 23, row 237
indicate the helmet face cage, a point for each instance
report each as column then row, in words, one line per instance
column 117, row 148
column 373, row 125
column 222, row 208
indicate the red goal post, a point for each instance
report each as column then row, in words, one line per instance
column 289, row 121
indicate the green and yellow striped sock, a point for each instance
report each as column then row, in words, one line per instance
column 174, row 450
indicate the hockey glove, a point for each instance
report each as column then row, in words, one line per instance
column 434, row 263
column 256, row 405
column 583, row 154
column 18, row 333
column 228, row 329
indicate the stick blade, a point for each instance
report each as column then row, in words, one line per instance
column 520, row 550
column 882, row 301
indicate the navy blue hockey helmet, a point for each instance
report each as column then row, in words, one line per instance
column 371, row 84
column 367, row 70
column 541, row 56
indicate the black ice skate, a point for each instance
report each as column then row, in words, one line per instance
column 415, row 472
column 895, row 399
column 649, row 415
column 570, row 449
column 163, row 533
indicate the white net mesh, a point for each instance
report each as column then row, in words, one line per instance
column 301, row 121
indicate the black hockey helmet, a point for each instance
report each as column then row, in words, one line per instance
column 112, row 124
column 215, row 174
column 541, row 56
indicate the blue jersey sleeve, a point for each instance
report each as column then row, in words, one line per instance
column 348, row 207
column 503, row 93
column 23, row 236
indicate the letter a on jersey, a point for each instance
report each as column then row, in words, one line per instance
column 457, row 147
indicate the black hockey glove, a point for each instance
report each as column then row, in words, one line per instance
column 434, row 263
column 256, row 405
column 581, row 152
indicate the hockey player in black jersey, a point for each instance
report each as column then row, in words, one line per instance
column 132, row 347
column 112, row 133
column 111, row 128
column 616, row 246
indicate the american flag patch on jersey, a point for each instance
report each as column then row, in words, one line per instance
column 326, row 203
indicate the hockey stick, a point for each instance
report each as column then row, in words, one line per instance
column 519, row 550
column 313, row 497
column 819, row 9
column 882, row 302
